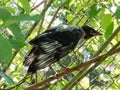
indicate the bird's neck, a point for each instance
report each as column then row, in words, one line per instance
column 83, row 32
column 82, row 40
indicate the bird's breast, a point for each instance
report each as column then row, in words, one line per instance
column 80, row 42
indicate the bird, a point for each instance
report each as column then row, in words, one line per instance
column 55, row 43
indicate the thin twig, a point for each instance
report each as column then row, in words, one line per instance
column 26, row 36
column 75, row 79
column 108, row 41
column 15, row 53
column 19, row 83
column 71, row 83
column 53, row 18
column 43, row 14
column 37, row 6
column 78, row 13
column 79, row 76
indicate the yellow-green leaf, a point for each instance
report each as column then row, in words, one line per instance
column 26, row 5
column 5, row 50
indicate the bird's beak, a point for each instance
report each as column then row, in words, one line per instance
column 97, row 33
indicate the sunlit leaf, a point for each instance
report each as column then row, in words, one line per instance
column 106, row 21
column 114, row 41
column 105, row 77
column 117, row 71
column 69, row 17
column 67, row 3
column 26, row 5
column 17, row 44
column 94, row 9
column 109, row 30
column 22, row 17
column 117, row 13
column 85, row 82
column 5, row 50
column 4, row 14
column 99, row 69
column 7, row 78
column 19, row 40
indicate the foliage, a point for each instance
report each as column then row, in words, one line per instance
column 22, row 20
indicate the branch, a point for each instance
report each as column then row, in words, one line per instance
column 26, row 36
column 80, row 75
column 78, row 13
column 96, row 59
column 19, row 83
column 15, row 53
column 37, row 6
column 108, row 41
column 43, row 14
column 53, row 18
column 117, row 30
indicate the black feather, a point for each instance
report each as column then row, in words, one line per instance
column 52, row 45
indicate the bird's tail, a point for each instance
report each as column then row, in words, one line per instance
column 29, row 58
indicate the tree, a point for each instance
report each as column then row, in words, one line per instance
column 93, row 66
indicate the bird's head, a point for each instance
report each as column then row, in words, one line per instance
column 90, row 32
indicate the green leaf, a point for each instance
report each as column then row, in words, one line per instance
column 106, row 20
column 17, row 44
column 4, row 14
column 117, row 13
column 109, row 30
column 18, row 41
column 16, row 31
column 7, row 78
column 107, row 25
column 69, row 17
column 94, row 9
column 5, row 50
column 26, row 5
column 22, row 17
column 67, row 3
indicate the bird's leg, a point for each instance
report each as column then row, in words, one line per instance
column 52, row 69
column 36, row 76
column 33, row 78
column 55, row 73
column 62, row 65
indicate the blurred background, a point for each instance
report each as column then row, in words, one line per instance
column 22, row 20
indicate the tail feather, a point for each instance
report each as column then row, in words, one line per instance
column 30, row 57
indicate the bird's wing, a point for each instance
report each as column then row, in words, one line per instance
column 42, row 37
column 30, row 56
column 63, row 34
column 50, row 47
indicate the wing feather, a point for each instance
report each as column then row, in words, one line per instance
column 51, row 46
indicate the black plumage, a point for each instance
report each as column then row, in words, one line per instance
column 55, row 43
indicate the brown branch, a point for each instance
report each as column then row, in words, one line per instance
column 77, row 79
column 43, row 14
column 79, row 76
column 53, row 18
column 96, row 59
column 117, row 30
column 36, row 6
column 78, row 13
column 17, row 84
column 31, row 29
